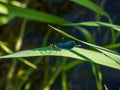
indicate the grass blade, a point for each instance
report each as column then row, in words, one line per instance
column 90, row 5
column 95, row 24
column 114, row 55
column 31, row 14
column 77, row 53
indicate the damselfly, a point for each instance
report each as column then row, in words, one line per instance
column 65, row 45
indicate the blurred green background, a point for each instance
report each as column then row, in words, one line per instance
column 24, row 25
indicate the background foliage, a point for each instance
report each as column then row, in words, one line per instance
column 24, row 25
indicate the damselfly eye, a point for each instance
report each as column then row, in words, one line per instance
column 53, row 46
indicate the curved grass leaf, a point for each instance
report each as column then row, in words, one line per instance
column 31, row 14
column 94, row 7
column 6, row 19
column 114, row 55
column 77, row 53
column 90, row 5
column 36, row 15
column 95, row 24
column 86, row 34
column 6, row 49
column 113, row 46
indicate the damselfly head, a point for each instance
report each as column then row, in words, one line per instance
column 53, row 46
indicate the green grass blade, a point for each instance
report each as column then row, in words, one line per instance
column 36, row 62
column 53, row 77
column 64, row 81
column 31, row 14
column 64, row 75
column 21, row 36
column 94, row 7
column 86, row 34
column 98, row 76
column 10, row 75
column 6, row 49
column 95, row 24
column 72, row 64
column 90, row 5
column 113, row 46
column 77, row 53
column 114, row 55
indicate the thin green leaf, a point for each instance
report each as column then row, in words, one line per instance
column 72, row 64
column 114, row 55
column 6, row 49
column 113, row 46
column 94, row 7
column 86, row 34
column 90, row 5
column 95, row 24
column 77, row 53
column 31, row 14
